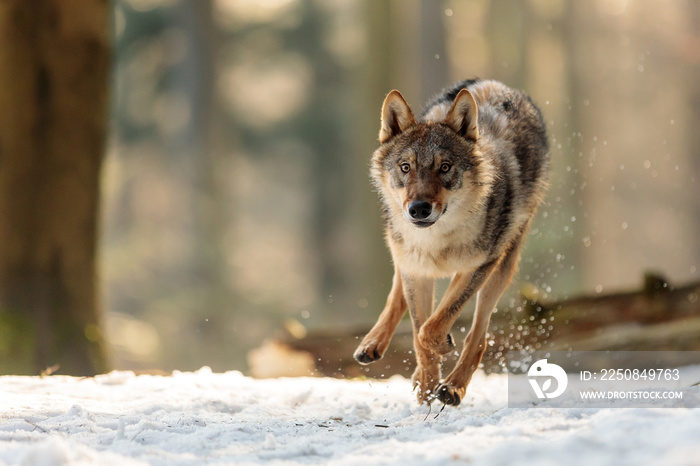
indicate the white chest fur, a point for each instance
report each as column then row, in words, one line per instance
column 437, row 251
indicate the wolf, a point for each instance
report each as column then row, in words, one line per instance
column 459, row 187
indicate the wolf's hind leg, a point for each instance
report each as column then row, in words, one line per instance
column 377, row 340
column 452, row 390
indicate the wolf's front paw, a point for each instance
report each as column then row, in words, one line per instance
column 436, row 342
column 367, row 353
column 424, row 381
column 449, row 394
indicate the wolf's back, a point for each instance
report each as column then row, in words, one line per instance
column 504, row 114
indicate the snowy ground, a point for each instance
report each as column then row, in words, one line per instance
column 201, row 417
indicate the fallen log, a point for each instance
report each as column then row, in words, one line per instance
column 658, row 317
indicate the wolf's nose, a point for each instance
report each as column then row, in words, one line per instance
column 419, row 210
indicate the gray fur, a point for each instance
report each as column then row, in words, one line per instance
column 484, row 180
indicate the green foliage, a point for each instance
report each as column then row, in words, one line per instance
column 17, row 343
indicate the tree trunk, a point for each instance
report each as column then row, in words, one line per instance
column 434, row 69
column 54, row 69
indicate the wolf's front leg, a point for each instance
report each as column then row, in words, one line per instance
column 426, row 377
column 434, row 334
column 376, row 342
column 419, row 293
column 452, row 390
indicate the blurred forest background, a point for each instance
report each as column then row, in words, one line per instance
column 235, row 192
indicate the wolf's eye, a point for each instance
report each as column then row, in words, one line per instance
column 405, row 167
column 445, row 167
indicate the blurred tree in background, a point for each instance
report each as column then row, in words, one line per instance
column 54, row 69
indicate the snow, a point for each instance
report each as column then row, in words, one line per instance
column 207, row 418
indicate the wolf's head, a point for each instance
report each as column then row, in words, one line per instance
column 423, row 168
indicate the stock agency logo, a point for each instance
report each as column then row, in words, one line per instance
column 603, row 379
column 542, row 370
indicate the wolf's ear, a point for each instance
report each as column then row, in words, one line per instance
column 462, row 116
column 396, row 116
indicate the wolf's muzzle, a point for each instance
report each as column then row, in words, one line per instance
column 421, row 214
column 419, row 210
